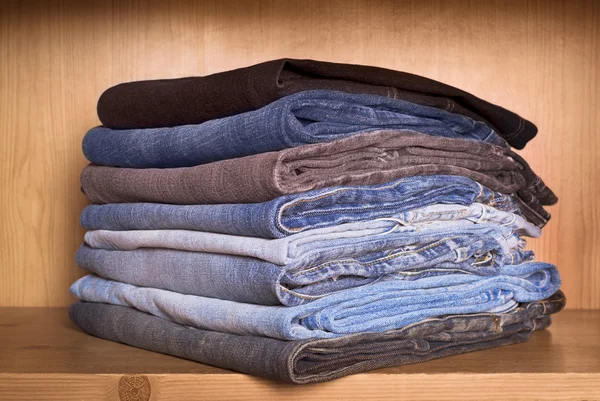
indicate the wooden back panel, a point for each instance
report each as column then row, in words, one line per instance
column 538, row 58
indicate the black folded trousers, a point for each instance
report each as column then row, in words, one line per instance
column 312, row 361
column 193, row 100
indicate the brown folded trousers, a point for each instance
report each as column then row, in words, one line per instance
column 363, row 159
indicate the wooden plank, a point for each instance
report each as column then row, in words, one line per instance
column 417, row 387
column 539, row 58
column 44, row 357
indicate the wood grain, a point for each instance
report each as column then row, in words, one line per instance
column 539, row 58
column 44, row 357
column 410, row 387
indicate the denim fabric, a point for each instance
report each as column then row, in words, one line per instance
column 476, row 213
column 302, row 118
column 379, row 307
column 312, row 361
column 363, row 159
column 328, row 241
column 295, row 213
column 318, row 270
column 182, row 101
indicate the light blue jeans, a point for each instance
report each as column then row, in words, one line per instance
column 448, row 219
column 379, row 307
column 309, row 266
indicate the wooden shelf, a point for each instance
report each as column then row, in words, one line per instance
column 43, row 356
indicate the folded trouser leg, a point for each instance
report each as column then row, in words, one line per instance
column 317, row 360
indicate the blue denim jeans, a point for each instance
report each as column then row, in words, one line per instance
column 449, row 220
column 310, row 266
column 311, row 361
column 475, row 213
column 302, row 118
column 383, row 306
column 296, row 213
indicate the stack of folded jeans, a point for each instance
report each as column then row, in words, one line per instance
column 304, row 221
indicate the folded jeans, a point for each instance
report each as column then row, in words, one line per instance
column 291, row 214
column 299, row 119
column 299, row 270
column 193, row 100
column 327, row 242
column 382, row 306
column 312, row 361
column 364, row 159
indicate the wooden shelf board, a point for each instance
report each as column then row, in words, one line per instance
column 44, row 356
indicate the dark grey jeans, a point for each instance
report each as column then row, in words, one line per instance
column 314, row 361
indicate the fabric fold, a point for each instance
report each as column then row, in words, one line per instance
column 364, row 159
column 441, row 220
column 303, row 118
column 312, row 361
column 379, row 307
column 291, row 214
column 193, row 100
column 306, row 266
